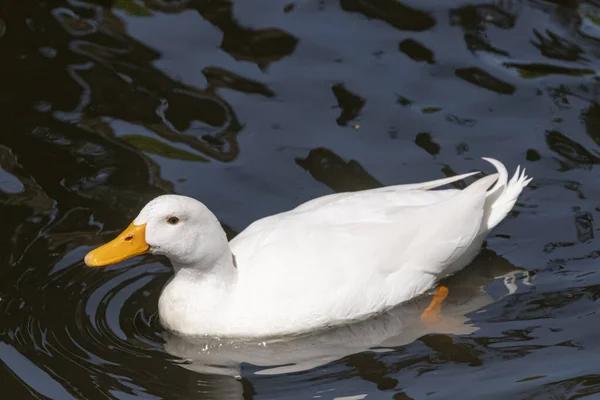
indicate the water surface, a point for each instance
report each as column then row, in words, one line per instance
column 254, row 107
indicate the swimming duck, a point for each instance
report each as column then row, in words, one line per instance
column 332, row 260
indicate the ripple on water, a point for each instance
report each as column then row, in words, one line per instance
column 107, row 328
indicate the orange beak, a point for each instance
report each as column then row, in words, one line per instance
column 130, row 243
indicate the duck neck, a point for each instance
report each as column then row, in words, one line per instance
column 219, row 273
column 198, row 298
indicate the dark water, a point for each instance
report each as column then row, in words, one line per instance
column 253, row 107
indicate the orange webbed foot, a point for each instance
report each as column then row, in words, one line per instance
column 433, row 312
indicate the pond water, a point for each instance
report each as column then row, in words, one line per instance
column 254, row 107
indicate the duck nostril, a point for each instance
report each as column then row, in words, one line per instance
column 128, row 238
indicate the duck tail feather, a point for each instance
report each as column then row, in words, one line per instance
column 501, row 198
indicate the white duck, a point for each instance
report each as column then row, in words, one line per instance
column 331, row 260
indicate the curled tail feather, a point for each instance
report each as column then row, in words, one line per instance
column 501, row 198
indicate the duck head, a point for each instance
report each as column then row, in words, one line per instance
column 179, row 227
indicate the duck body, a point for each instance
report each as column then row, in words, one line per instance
column 332, row 260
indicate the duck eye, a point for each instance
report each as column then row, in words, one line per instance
column 173, row 220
